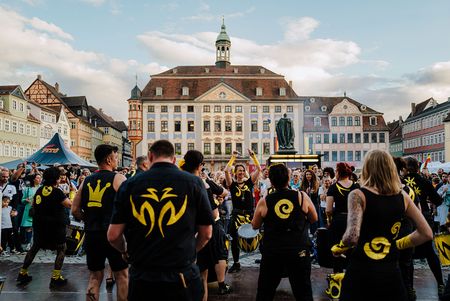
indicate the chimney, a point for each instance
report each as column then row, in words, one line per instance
column 413, row 108
column 39, row 77
column 57, row 87
column 400, row 119
column 290, row 83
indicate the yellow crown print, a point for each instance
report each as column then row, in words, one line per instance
column 95, row 196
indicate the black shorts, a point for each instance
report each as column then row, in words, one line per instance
column 206, row 257
column 219, row 239
column 98, row 249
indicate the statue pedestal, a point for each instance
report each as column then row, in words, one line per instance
column 286, row 151
column 294, row 160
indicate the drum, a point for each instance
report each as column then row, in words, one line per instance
column 324, row 244
column 442, row 243
column 74, row 237
column 248, row 238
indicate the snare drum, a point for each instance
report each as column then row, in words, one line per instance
column 442, row 243
column 74, row 237
column 248, row 238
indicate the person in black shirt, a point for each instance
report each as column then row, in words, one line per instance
column 93, row 204
column 374, row 220
column 241, row 191
column 161, row 219
column 286, row 215
column 49, row 226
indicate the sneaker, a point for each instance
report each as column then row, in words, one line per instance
column 441, row 289
column 226, row 289
column 14, row 252
column 236, row 267
column 4, row 254
column 58, row 282
column 110, row 283
column 24, row 278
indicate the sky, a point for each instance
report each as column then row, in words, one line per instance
column 385, row 54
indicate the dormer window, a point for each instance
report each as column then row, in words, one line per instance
column 174, row 70
column 373, row 120
column 185, row 91
column 206, row 70
column 282, row 91
column 79, row 112
column 236, row 70
column 259, row 91
column 159, row 91
column 1, row 104
column 84, row 113
column 317, row 121
column 262, row 70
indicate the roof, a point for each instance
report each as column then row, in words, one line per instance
column 121, row 125
column 102, row 119
column 31, row 118
column 223, row 36
column 426, row 107
column 212, row 70
column 136, row 93
column 395, row 131
column 317, row 102
column 51, row 109
column 15, row 90
column 74, row 101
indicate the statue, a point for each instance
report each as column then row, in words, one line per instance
column 285, row 133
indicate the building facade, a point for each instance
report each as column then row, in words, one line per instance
column 341, row 129
column 395, row 138
column 135, row 124
column 216, row 109
column 19, row 129
column 423, row 132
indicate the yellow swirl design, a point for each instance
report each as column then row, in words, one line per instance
column 283, row 208
column 378, row 248
column 396, row 229
column 38, row 199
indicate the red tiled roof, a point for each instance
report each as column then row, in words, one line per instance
column 317, row 102
column 6, row 90
column 381, row 124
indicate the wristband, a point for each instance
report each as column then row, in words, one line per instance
column 404, row 243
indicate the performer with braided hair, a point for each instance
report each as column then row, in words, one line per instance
column 241, row 190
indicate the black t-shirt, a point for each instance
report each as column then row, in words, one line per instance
column 242, row 195
column 48, row 207
column 340, row 196
column 161, row 209
column 213, row 189
column 424, row 190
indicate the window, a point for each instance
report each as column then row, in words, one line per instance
column 358, row 156
column 350, row 121
column 207, row 148
column 254, row 147
column 190, row 146
column 151, row 109
column 177, row 126
column 238, row 109
column 239, row 147
column 254, row 126
column 159, row 91
column 84, row 113
column 185, row 91
column 177, row 148
column 266, row 109
column 341, row 138
column 206, row 126
column 266, row 148
column 333, row 138
column 228, row 126
column 366, row 137
column 218, row 148
column 259, row 91
column 14, row 127
column 217, row 109
column 341, row 121
column 79, row 112
column 317, row 121
column 382, row 138
column 277, row 109
column 254, row 109
column 227, row 109
column 190, row 109
column 164, row 126
column 266, row 126
column 349, row 138
column 217, row 126
column 228, row 147
column 326, row 156
column 350, row 156
column 206, row 109
column 14, row 107
column 21, row 110
column 318, row 138
column 73, row 125
column 334, row 156
column 373, row 120
column 326, row 138
column 333, row 121
column 190, row 125
column 282, row 91
column 21, row 129
column 1, row 104
column 342, row 155
column 357, row 121
column 6, row 150
column 14, row 151
column 164, row 109
column 238, row 126
column 177, row 109
column 106, row 130
column 358, row 138
column 374, row 137
column 290, row 109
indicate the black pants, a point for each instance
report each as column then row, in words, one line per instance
column 7, row 239
column 272, row 269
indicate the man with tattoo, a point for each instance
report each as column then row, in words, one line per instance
column 374, row 219
column 93, row 204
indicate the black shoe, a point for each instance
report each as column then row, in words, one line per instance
column 236, row 267
column 60, row 281
column 225, row 289
column 24, row 278
column 110, row 283
column 258, row 261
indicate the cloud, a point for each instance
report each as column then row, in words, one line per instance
column 205, row 15
column 300, row 29
column 50, row 28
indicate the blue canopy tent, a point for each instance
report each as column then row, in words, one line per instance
column 55, row 151
column 13, row 164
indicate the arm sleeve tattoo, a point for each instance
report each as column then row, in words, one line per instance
column 354, row 219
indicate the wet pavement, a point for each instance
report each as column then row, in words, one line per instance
column 244, row 283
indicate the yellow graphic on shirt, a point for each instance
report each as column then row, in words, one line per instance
column 411, row 183
column 96, row 196
column 395, row 230
column 283, row 208
column 378, row 248
column 442, row 243
column 47, row 190
column 342, row 189
column 241, row 189
column 38, row 199
column 412, row 195
column 158, row 216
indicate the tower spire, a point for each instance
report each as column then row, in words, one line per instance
column 223, row 45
